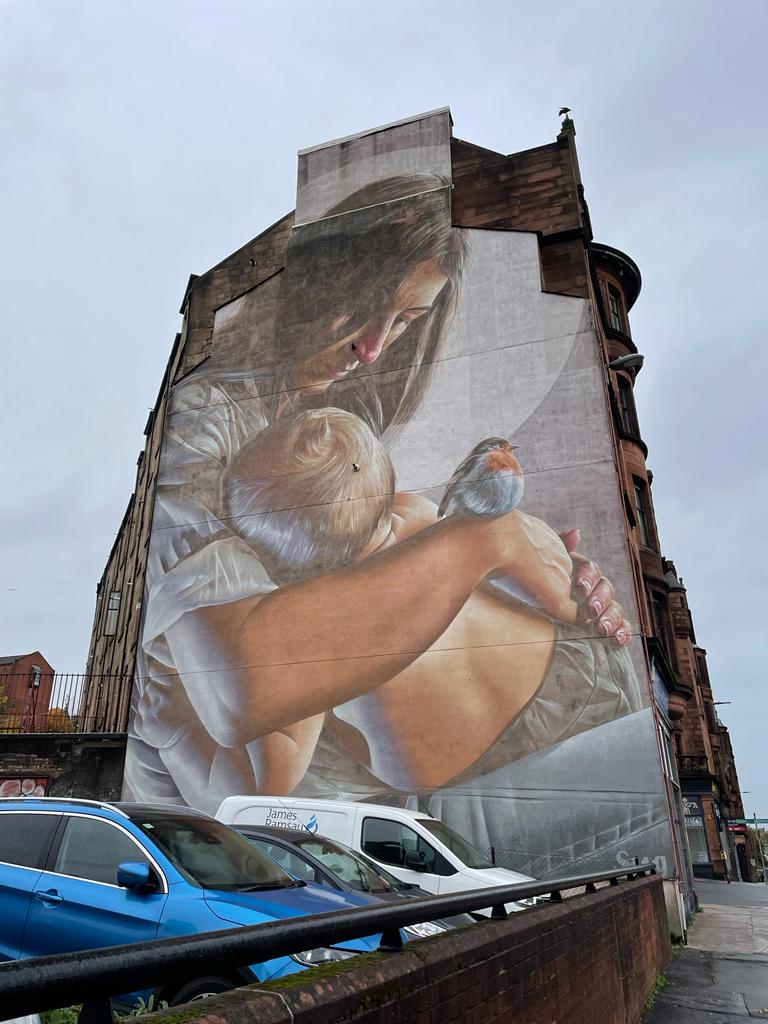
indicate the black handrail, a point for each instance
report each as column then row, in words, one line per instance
column 46, row 983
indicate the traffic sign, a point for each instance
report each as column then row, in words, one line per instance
column 748, row 821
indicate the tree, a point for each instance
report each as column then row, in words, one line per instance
column 59, row 720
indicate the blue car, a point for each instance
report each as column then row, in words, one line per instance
column 77, row 874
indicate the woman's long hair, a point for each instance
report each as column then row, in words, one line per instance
column 340, row 272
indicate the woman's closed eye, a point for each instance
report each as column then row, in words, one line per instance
column 406, row 316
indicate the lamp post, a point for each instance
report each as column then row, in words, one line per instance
column 760, row 849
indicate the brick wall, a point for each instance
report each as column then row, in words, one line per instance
column 26, row 684
column 592, row 958
column 85, row 767
column 536, row 190
column 251, row 265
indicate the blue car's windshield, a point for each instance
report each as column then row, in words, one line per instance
column 210, row 854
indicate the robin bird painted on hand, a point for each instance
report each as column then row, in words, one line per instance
column 488, row 483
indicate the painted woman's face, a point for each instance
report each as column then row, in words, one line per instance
column 413, row 299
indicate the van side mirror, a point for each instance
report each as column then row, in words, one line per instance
column 136, row 876
column 415, row 860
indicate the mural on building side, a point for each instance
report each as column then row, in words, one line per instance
column 388, row 559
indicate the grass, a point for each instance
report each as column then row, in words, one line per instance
column 659, row 984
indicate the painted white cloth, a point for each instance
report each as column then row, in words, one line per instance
column 194, row 561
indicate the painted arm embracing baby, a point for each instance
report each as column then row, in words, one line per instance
column 316, row 492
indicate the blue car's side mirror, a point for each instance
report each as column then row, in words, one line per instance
column 136, row 876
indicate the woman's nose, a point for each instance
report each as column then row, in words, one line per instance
column 369, row 346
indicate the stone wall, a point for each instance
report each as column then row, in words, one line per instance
column 592, row 958
column 87, row 767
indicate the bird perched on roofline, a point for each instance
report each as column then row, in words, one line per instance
column 488, row 483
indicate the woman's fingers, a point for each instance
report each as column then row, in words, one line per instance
column 611, row 621
column 596, row 594
column 623, row 635
column 586, row 576
column 571, row 539
column 595, row 591
column 600, row 598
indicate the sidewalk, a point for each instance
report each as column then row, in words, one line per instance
column 721, row 977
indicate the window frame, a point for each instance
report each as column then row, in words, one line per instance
column 53, row 852
column 661, row 621
column 112, row 612
column 441, row 865
column 615, row 308
column 627, row 409
column 642, row 508
column 696, row 828
column 45, row 849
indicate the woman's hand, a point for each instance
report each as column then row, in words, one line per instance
column 536, row 567
column 595, row 594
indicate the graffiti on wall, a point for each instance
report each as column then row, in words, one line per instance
column 388, row 559
column 23, row 787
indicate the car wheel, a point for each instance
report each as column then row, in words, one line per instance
column 201, row 988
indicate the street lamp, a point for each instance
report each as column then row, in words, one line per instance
column 633, row 361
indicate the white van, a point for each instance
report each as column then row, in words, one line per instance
column 413, row 846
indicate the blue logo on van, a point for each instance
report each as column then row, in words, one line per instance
column 312, row 825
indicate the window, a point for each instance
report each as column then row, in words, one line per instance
column 26, row 838
column 209, row 853
column 346, row 865
column 668, row 757
column 641, row 504
column 614, row 309
column 627, row 408
column 93, row 849
column 695, row 831
column 287, row 860
column 660, row 620
column 391, row 842
column 113, row 610
column 456, row 844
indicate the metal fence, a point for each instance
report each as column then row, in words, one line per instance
column 34, row 702
column 693, row 765
column 91, row 977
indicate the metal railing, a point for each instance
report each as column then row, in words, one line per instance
column 92, row 976
column 69, row 702
column 694, row 765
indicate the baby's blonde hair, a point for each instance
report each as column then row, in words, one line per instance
column 308, row 492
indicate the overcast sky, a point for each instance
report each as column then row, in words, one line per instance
column 145, row 141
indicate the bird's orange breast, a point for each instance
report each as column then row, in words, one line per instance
column 499, row 461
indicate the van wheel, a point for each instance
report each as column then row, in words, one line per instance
column 201, row 988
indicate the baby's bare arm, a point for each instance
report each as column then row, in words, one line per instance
column 411, row 513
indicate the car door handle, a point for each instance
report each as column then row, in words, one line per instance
column 52, row 896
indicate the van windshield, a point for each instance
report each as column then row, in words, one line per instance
column 209, row 854
column 459, row 846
